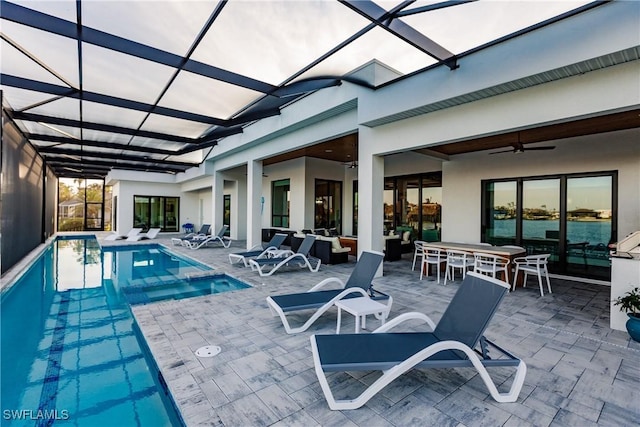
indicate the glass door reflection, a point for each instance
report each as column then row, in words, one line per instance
column 589, row 224
column 541, row 217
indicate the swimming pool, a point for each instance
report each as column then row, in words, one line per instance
column 153, row 273
column 71, row 350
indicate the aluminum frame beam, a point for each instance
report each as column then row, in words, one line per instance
column 31, row 117
column 61, row 27
column 100, row 144
column 84, row 154
column 388, row 21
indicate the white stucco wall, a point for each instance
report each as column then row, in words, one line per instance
column 409, row 163
column 203, row 215
column 322, row 169
column 600, row 31
column 125, row 190
column 293, row 170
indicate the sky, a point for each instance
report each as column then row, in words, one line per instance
column 584, row 192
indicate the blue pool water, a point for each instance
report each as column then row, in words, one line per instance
column 71, row 352
column 151, row 273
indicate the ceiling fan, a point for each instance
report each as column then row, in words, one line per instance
column 518, row 147
column 351, row 165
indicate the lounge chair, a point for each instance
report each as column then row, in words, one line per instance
column 258, row 251
column 151, row 234
column 358, row 285
column 116, row 236
column 201, row 234
column 197, row 243
column 301, row 258
column 451, row 345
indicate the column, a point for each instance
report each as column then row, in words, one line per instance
column 255, row 203
column 217, row 202
column 370, row 195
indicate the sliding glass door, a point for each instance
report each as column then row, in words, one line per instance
column 414, row 203
column 589, row 223
column 541, row 216
column 500, row 208
column 156, row 212
column 328, row 205
column 570, row 217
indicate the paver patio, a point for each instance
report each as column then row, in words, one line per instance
column 580, row 372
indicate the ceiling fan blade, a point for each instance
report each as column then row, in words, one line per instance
column 504, row 151
column 539, row 148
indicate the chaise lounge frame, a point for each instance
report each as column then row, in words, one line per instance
column 445, row 347
column 358, row 285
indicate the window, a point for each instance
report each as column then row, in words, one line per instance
column 280, row 193
column 328, row 204
column 571, row 217
column 500, row 209
column 156, row 212
column 414, row 203
column 541, row 216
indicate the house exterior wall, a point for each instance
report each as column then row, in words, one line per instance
column 461, row 192
column 125, row 190
column 608, row 90
column 589, row 35
column 294, row 171
column 395, row 119
column 204, row 213
column 322, row 169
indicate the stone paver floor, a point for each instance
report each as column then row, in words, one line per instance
column 580, row 372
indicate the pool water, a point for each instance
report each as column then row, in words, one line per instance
column 150, row 273
column 182, row 288
column 71, row 352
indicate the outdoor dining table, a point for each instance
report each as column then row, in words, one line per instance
column 509, row 253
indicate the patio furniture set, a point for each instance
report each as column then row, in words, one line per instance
column 481, row 258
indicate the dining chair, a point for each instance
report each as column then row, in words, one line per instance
column 431, row 256
column 418, row 252
column 491, row 264
column 457, row 259
column 512, row 269
column 535, row 264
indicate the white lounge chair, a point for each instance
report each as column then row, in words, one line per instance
column 259, row 251
column 116, row 236
column 321, row 300
column 301, row 258
column 197, row 243
column 452, row 344
column 151, row 234
column 201, row 234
